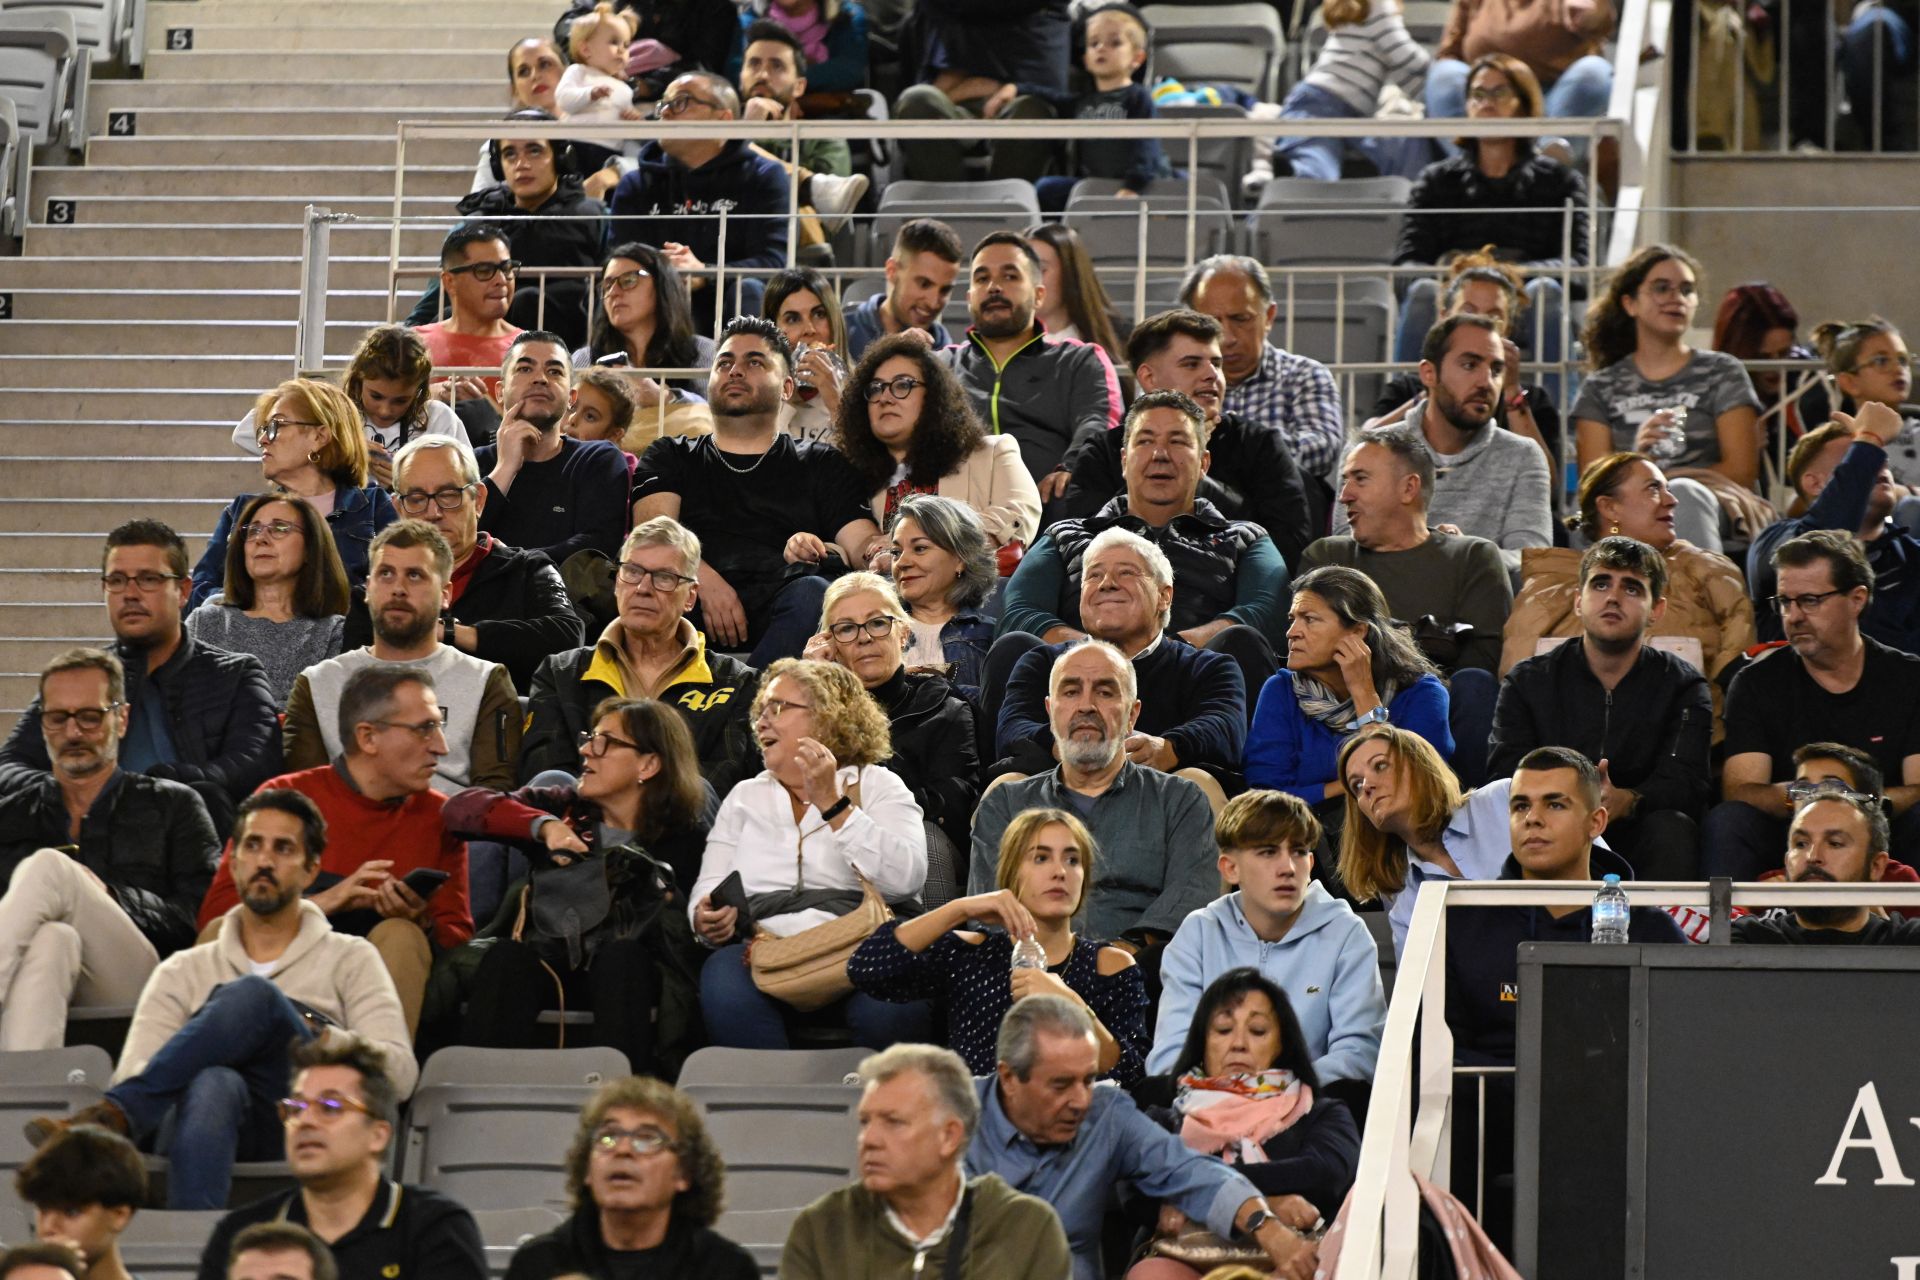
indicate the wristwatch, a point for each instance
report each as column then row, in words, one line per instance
column 1376, row 716
column 838, row 807
column 446, row 630
column 1257, row 1219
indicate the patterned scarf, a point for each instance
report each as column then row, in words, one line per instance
column 1317, row 702
column 1234, row 1116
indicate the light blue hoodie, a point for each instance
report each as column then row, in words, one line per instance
column 1327, row 964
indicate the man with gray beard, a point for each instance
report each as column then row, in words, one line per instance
column 1154, row 830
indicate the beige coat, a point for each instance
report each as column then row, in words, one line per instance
column 996, row 484
column 336, row 973
column 1706, row 600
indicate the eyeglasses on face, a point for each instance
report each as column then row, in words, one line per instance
column 278, row 530
column 597, row 744
column 899, row 388
column 877, row 627
column 485, row 271
column 681, row 102
column 271, row 432
column 423, row 730
column 415, row 501
column 1669, row 288
column 326, row 1108
column 1884, row 363
column 625, row 282
column 774, row 708
column 644, row 1141
column 1490, row 93
column 1808, row 603
column 148, row 582
column 662, row 580
column 88, row 718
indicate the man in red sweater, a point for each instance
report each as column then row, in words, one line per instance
column 383, row 823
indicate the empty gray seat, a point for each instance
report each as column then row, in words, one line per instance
column 1300, row 222
column 15, row 169
column 716, row 1065
column 45, row 72
column 749, row 1227
column 785, row 1145
column 511, row 1228
column 45, row 1082
column 1109, row 225
column 972, row 209
column 1349, row 323
column 97, row 24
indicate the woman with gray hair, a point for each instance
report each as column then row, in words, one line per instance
column 944, row 568
column 1349, row 665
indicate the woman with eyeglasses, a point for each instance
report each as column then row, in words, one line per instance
column 646, row 1182
column 912, row 429
column 1692, row 412
column 823, row 820
column 863, row 627
column 1869, row 362
column 284, row 598
column 645, row 321
column 639, row 787
column 313, row 447
column 807, row 309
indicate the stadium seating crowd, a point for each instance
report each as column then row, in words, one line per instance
column 760, row 778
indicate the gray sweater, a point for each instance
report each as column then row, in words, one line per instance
column 285, row 649
column 1453, row 579
column 1496, row 488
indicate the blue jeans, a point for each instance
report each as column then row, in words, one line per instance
column 1583, row 89
column 792, row 620
column 209, row 1094
column 1881, row 27
column 1319, row 158
column 740, row 1016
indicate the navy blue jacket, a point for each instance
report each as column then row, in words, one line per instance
column 1483, row 967
column 663, row 200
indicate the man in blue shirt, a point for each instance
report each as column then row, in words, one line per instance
column 920, row 273
column 1047, row 1131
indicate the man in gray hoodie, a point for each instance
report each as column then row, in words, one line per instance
column 1489, row 483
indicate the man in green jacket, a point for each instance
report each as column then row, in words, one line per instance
column 912, row 1205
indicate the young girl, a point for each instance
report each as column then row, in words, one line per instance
column 807, row 310
column 594, row 89
column 388, row 380
column 1869, row 361
column 1367, row 48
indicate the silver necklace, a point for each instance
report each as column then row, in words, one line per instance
column 740, row 471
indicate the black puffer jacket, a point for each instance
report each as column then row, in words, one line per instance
column 1538, row 182
column 221, row 715
column 150, row 840
column 555, row 239
column 936, row 751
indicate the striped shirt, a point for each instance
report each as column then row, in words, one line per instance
column 1359, row 58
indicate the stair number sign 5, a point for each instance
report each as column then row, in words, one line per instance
column 179, row 39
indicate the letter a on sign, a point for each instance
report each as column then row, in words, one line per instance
column 1866, row 1106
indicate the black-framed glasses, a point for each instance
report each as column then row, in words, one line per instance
column 597, row 744
column 679, row 103
column 148, row 581
column 423, row 730
column 877, row 627
column 415, row 501
column 899, row 388
column 278, row 530
column 271, row 432
column 328, row 1107
column 662, row 580
column 644, row 1141
column 88, row 718
column 485, row 271
column 1808, row 603
column 625, row 282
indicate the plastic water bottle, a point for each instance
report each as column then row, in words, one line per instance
column 1610, row 912
column 1672, row 441
column 1029, row 954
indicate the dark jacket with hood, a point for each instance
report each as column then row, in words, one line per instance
column 221, row 715
column 1456, row 207
column 149, row 840
column 1654, row 730
column 577, row 1247
column 516, row 603
column 936, row 751
column 663, row 200
column 557, row 240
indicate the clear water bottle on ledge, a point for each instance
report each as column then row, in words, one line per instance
column 1610, row 912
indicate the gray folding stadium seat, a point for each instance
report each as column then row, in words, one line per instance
column 491, row 1127
column 1301, row 222
column 167, row 1242
column 972, row 209
column 98, row 25
column 44, row 70
column 15, row 167
column 785, row 1145
column 1382, row 931
column 1109, row 226
column 44, row 1082
column 716, row 1065
column 1351, row 322
column 1237, row 44
column 504, row 1230
column 749, row 1227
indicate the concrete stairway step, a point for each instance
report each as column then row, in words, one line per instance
column 220, row 37
column 38, row 618
column 369, row 149
column 283, row 211
column 119, row 439
column 362, row 308
column 338, row 119
column 68, row 552
column 534, row 15
column 35, row 654
column 373, row 178
column 173, row 337
column 112, row 272
column 17, row 690
column 49, row 586
column 94, row 516
column 124, row 404
column 408, row 93
column 82, row 477
column 144, row 372
column 345, row 65
column 208, row 240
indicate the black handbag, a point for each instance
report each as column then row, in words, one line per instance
column 568, row 912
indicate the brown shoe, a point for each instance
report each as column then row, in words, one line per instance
column 104, row 1114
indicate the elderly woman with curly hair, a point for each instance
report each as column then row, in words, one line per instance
column 647, row 1184
column 822, row 819
column 911, row 429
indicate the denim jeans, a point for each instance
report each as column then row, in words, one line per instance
column 792, row 620
column 1319, row 158
column 740, row 1016
column 209, row 1094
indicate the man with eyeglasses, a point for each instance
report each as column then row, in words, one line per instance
column 205, row 1060
column 392, row 872
column 1828, row 683
column 478, row 274
column 340, row 1118
column 101, row 870
column 681, row 184
column 1840, row 471
column 506, row 605
column 650, row 650
column 195, row 714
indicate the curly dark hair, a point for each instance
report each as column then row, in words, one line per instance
column 948, row 430
column 700, row 1162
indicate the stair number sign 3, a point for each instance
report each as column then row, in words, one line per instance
column 179, row 39
column 60, row 213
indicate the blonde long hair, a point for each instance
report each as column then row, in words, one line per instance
column 1372, row 862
